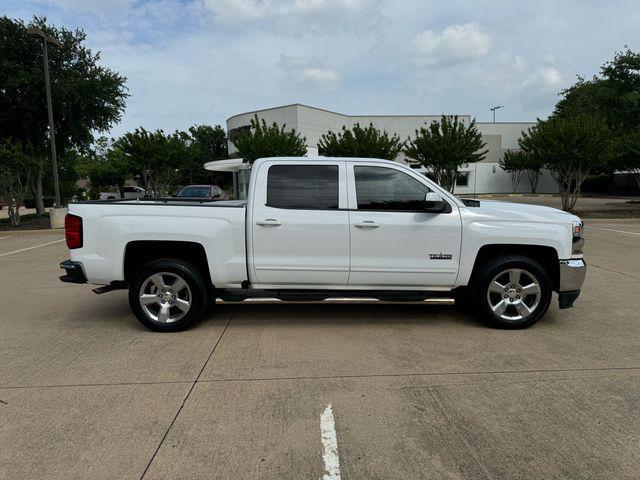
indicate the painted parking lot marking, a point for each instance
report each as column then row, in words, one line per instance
column 614, row 230
column 31, row 248
column 8, row 236
column 330, row 445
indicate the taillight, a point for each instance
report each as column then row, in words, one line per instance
column 73, row 231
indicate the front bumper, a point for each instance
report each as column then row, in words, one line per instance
column 75, row 272
column 572, row 274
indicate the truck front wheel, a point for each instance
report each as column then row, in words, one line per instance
column 168, row 295
column 511, row 291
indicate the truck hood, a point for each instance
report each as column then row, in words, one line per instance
column 507, row 211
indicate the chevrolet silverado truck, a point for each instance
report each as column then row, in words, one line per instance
column 315, row 228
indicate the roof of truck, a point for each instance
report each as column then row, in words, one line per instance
column 320, row 158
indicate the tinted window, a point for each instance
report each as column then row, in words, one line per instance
column 381, row 188
column 202, row 192
column 303, row 186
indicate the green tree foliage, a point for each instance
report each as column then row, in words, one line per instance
column 155, row 157
column 262, row 140
column 87, row 97
column 15, row 174
column 613, row 96
column 570, row 147
column 625, row 154
column 514, row 162
column 205, row 143
column 442, row 147
column 105, row 166
column 367, row 142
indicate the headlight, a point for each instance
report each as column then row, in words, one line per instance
column 578, row 238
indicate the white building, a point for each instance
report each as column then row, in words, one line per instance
column 482, row 177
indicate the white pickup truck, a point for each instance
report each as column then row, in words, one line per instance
column 316, row 228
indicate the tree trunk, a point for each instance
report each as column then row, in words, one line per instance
column 534, row 177
column 35, row 185
column 14, row 213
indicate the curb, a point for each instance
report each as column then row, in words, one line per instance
column 38, row 231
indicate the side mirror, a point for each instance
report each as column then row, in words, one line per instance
column 434, row 203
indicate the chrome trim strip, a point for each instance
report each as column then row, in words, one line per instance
column 572, row 274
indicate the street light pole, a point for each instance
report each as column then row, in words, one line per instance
column 493, row 109
column 37, row 33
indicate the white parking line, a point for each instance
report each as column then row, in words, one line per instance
column 31, row 248
column 330, row 444
column 613, row 230
column 8, row 236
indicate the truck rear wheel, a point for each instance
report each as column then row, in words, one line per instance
column 511, row 292
column 168, row 295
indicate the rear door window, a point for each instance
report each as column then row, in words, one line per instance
column 308, row 187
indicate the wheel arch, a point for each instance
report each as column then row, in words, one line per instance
column 546, row 256
column 140, row 252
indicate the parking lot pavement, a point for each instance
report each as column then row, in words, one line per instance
column 416, row 391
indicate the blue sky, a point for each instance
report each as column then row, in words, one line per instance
column 201, row 61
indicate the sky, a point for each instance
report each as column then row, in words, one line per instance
column 201, row 61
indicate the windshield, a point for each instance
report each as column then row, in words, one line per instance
column 195, row 192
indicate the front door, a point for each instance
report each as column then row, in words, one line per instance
column 393, row 241
column 300, row 225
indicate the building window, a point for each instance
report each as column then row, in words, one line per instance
column 462, row 180
column 307, row 187
column 382, row 188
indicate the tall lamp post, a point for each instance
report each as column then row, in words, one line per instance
column 47, row 40
column 493, row 109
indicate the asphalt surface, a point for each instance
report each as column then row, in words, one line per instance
column 416, row 391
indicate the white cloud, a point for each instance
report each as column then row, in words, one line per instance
column 456, row 44
column 298, row 16
column 303, row 72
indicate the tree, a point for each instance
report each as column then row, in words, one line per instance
column 87, row 97
column 625, row 154
column 514, row 162
column 368, row 142
column 570, row 148
column 613, row 96
column 105, row 166
column 442, row 147
column 205, row 143
column 262, row 140
column 15, row 172
column 533, row 168
column 155, row 157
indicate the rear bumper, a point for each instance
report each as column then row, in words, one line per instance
column 74, row 272
column 572, row 274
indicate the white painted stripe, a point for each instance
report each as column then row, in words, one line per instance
column 31, row 248
column 613, row 230
column 330, row 444
column 8, row 236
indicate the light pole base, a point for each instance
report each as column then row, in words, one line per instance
column 56, row 215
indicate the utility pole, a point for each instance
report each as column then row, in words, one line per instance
column 493, row 109
column 47, row 40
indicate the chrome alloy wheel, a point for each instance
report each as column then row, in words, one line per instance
column 165, row 297
column 514, row 294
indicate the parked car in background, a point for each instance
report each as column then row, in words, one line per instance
column 129, row 192
column 206, row 192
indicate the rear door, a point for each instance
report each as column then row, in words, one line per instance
column 393, row 241
column 299, row 224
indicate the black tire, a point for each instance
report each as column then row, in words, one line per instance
column 536, row 303
column 195, row 293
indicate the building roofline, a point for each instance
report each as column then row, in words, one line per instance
column 344, row 114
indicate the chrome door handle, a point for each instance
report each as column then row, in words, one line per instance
column 269, row 222
column 366, row 224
